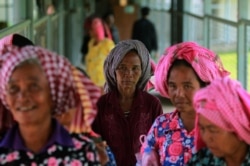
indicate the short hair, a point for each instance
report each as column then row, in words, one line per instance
column 145, row 11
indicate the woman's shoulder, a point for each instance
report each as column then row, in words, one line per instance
column 149, row 97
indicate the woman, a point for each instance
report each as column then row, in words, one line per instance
column 183, row 69
column 98, row 49
column 33, row 90
column 126, row 111
column 222, row 124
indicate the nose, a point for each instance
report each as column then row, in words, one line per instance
column 23, row 96
column 128, row 72
column 180, row 92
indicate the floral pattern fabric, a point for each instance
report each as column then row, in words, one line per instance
column 204, row 157
column 174, row 144
column 82, row 153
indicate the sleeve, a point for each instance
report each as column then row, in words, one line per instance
column 97, row 122
column 109, row 46
column 151, row 138
column 91, row 155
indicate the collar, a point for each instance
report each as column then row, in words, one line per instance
column 13, row 139
column 138, row 98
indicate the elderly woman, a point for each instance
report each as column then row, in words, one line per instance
column 35, row 85
column 183, row 69
column 126, row 111
column 222, row 124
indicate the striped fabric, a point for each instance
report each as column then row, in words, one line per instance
column 205, row 63
column 115, row 57
column 69, row 88
column 226, row 104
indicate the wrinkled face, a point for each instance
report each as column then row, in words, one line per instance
column 28, row 95
column 128, row 71
column 220, row 142
column 182, row 85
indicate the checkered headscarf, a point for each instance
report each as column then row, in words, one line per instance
column 205, row 63
column 69, row 88
column 226, row 104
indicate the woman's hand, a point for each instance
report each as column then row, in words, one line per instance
column 150, row 158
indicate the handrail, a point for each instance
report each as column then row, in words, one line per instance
column 15, row 28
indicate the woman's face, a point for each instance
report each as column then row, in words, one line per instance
column 128, row 71
column 220, row 142
column 28, row 95
column 182, row 85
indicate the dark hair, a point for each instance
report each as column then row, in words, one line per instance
column 145, row 11
column 107, row 14
column 181, row 62
column 21, row 41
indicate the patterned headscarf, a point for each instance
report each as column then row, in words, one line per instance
column 205, row 63
column 13, row 39
column 116, row 56
column 226, row 104
column 69, row 88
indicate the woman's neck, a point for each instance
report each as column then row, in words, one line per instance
column 36, row 136
column 238, row 156
column 188, row 120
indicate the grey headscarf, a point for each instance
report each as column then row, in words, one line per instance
column 115, row 57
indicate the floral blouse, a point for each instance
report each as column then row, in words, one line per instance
column 80, row 150
column 204, row 157
column 174, row 144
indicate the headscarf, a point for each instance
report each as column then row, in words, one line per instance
column 14, row 39
column 226, row 104
column 100, row 29
column 69, row 88
column 116, row 56
column 205, row 63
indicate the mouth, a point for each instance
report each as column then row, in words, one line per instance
column 26, row 109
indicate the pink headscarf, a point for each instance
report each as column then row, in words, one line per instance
column 69, row 88
column 13, row 39
column 226, row 104
column 205, row 63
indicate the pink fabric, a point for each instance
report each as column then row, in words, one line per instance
column 64, row 83
column 6, row 119
column 226, row 104
column 150, row 84
column 98, row 28
column 6, row 41
column 205, row 63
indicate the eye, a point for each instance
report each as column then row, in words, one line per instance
column 34, row 87
column 136, row 69
column 213, row 130
column 12, row 89
column 171, row 86
column 188, row 86
column 121, row 68
column 202, row 129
